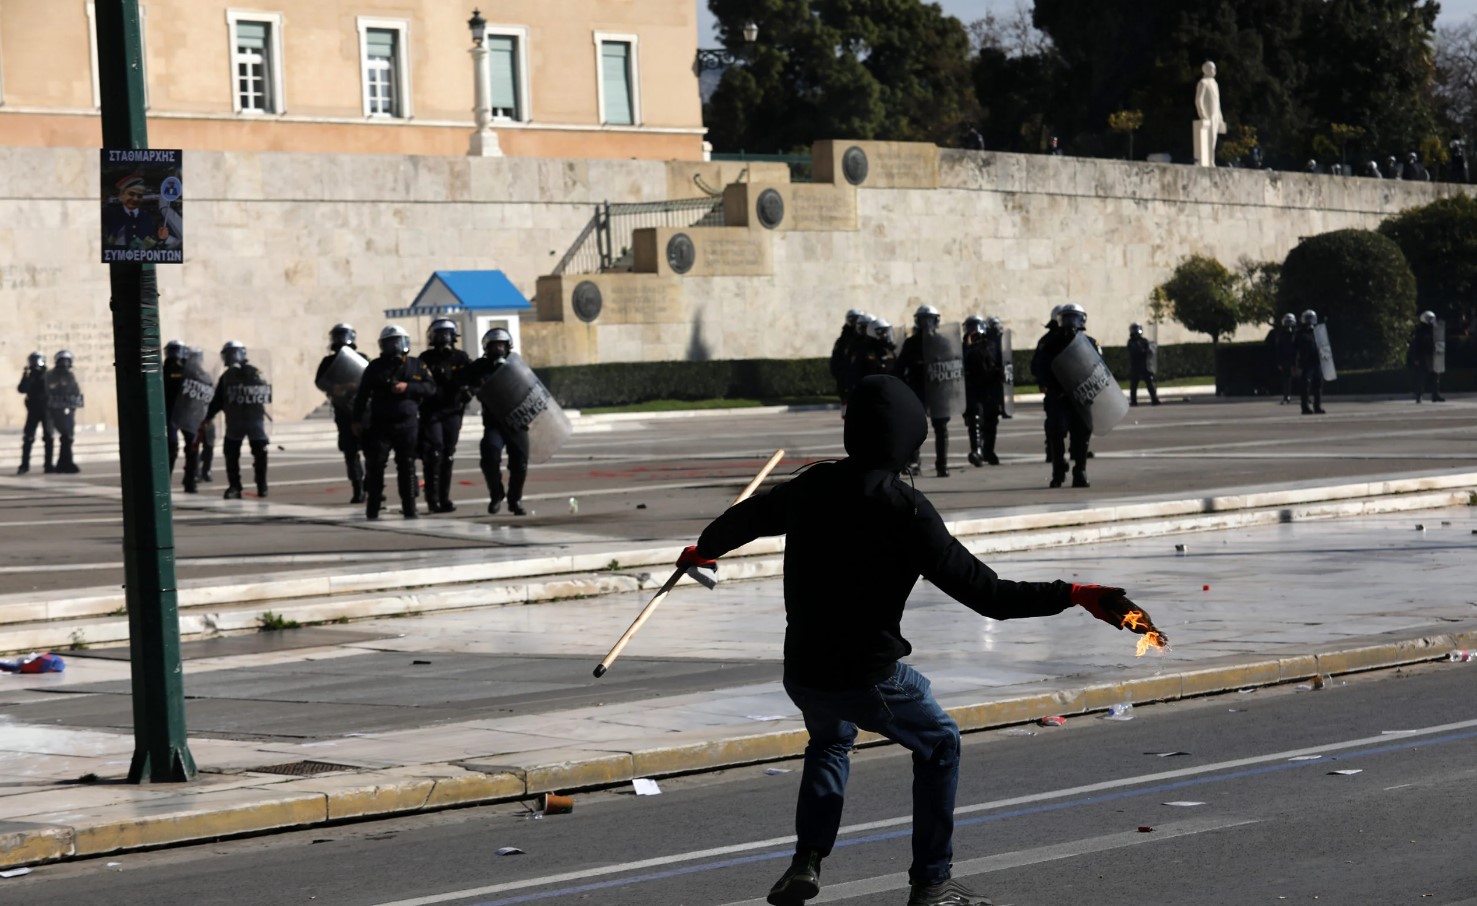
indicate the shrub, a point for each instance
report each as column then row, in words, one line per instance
column 624, row 383
column 1440, row 244
column 1357, row 281
column 1203, row 294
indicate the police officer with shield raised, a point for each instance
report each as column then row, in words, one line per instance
column 187, row 395
column 1143, row 362
column 497, row 346
column 242, row 393
column 387, row 417
column 441, row 414
column 339, row 374
column 1310, row 362
column 1283, row 340
column 932, row 363
column 63, row 399
column 1067, row 428
column 33, row 385
column 1427, row 356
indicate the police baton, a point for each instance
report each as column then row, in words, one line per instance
column 677, row 573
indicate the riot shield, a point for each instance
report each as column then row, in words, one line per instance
column 1007, row 363
column 1090, row 385
column 1325, row 353
column 1438, row 358
column 194, row 395
column 519, row 401
column 1151, row 361
column 62, row 391
column 943, row 363
column 341, row 380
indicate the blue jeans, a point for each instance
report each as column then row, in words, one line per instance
column 902, row 709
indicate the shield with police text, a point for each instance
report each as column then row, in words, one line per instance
column 1007, row 387
column 520, row 402
column 62, row 390
column 1090, row 385
column 341, row 379
column 1438, row 357
column 943, row 374
column 1325, row 353
column 194, row 397
column 1151, row 361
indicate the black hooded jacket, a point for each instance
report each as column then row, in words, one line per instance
column 857, row 539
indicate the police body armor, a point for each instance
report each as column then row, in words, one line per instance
column 341, row 380
column 195, row 394
column 519, row 401
column 1006, row 388
column 1325, row 352
column 62, row 391
column 943, row 371
column 1090, row 385
column 248, row 393
column 1438, row 356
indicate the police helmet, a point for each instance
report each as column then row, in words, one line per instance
column 174, row 349
column 926, row 317
column 36, row 360
column 879, row 329
column 341, row 335
column 862, row 320
column 496, row 335
column 394, row 340
column 233, row 353
column 1072, row 315
column 851, row 315
column 994, row 325
column 1289, row 320
column 64, row 358
column 1310, row 317
column 1428, row 317
column 974, row 324
column 442, row 332
column 1055, row 319
column 1135, row 329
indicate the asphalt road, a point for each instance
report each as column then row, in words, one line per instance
column 665, row 478
column 1238, row 813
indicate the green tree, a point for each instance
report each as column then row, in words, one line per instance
column 1440, row 243
column 1126, row 121
column 867, row 69
column 1360, row 284
column 1203, row 295
column 1256, row 290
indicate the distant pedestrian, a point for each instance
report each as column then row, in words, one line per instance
column 973, row 140
column 1458, row 152
column 1283, row 340
column 63, row 399
column 1055, row 147
column 1422, row 358
column 33, row 386
column 1142, row 363
column 1310, row 363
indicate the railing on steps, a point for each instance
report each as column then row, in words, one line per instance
column 799, row 164
column 605, row 242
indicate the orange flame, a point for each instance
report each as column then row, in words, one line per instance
column 1134, row 620
column 1150, row 639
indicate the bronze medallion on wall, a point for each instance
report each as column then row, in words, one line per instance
column 680, row 253
column 586, row 301
column 771, row 208
column 854, row 165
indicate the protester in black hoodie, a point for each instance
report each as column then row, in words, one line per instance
column 844, row 639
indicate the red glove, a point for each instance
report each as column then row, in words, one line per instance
column 691, row 558
column 1102, row 601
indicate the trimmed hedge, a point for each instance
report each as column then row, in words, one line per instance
column 1248, row 369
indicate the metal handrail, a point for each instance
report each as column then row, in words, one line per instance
column 605, row 242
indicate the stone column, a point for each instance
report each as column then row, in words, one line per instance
column 484, row 140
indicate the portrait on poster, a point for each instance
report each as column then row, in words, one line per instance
column 143, row 205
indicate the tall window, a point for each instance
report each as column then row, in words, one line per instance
column 382, row 54
column 502, row 53
column 617, row 82
column 254, row 67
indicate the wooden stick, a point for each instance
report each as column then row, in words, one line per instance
column 677, row 573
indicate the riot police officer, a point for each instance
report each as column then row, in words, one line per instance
column 387, row 417
column 878, row 353
column 912, row 367
column 1309, row 363
column 984, row 386
column 341, row 399
column 1140, row 365
column 441, row 414
column 243, row 393
column 33, row 385
column 1284, row 353
column 63, row 399
column 1422, row 357
column 1063, row 421
column 841, row 354
column 176, row 354
column 497, row 345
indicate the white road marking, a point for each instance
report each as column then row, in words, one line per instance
column 1067, row 793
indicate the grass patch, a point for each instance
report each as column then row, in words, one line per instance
column 686, row 405
column 270, row 622
column 78, row 642
column 1201, row 380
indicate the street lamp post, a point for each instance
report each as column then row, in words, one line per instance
column 721, row 57
column 484, row 141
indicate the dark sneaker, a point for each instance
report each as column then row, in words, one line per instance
column 992, row 459
column 975, row 459
column 800, row 882
column 232, row 494
column 516, row 509
column 1079, row 480
column 948, row 893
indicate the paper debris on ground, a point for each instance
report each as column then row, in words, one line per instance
column 1166, row 754
column 773, row 771
column 510, row 851
column 1305, row 758
column 766, row 717
column 646, row 787
column 1348, row 771
column 14, row 872
column 1184, row 804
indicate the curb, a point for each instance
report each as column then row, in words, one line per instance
column 331, row 798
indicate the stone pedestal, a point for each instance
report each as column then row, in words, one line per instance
column 876, row 165
column 702, row 252
column 782, row 207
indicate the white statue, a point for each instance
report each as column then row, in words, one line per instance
column 1211, row 123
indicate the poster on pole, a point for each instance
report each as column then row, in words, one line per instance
column 143, row 205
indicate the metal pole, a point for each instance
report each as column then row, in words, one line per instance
column 161, row 751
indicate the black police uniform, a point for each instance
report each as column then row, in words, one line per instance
column 1284, row 354
column 441, row 422
column 984, row 389
column 174, row 383
column 1422, row 359
column 1138, row 370
column 393, row 423
column 33, row 385
column 497, row 437
column 877, row 357
column 914, row 372
column 61, row 411
column 841, row 361
column 1311, row 368
column 243, row 393
column 1066, row 430
column 343, row 420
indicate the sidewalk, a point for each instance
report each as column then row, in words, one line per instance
column 397, row 716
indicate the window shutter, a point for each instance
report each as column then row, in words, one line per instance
column 616, row 69
column 380, row 44
column 503, row 59
column 251, row 36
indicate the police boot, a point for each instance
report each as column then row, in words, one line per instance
column 207, row 453
column 976, row 458
column 407, row 482
column 1318, row 402
column 372, row 508
column 25, row 465
column 515, row 491
column 445, row 485
column 1057, row 455
column 800, row 882
column 191, row 465
column 432, row 462
column 1436, row 396
column 495, row 493
column 356, row 476
column 1079, row 475
column 233, row 477
column 259, row 472
column 47, row 467
column 988, row 432
column 64, row 462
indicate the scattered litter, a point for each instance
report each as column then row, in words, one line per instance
column 1305, row 758
column 1237, row 710
column 1166, row 755
column 766, row 717
column 642, row 506
column 510, row 851
column 1184, row 804
column 574, row 505
column 34, row 663
column 281, row 448
column 773, row 771
column 1053, row 721
column 1396, row 732
column 419, row 663
column 1205, row 588
column 646, row 787
column 114, row 865
column 1314, row 685
column 1419, row 527
column 14, row 872
column 1122, row 711
column 1145, row 829
column 1019, row 731
column 555, row 804
column 1445, row 522
column 1181, row 549
column 1462, row 656
column 1346, row 772
column 1246, row 690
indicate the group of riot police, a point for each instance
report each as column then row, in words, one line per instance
column 52, row 400
column 412, row 406
column 192, row 400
